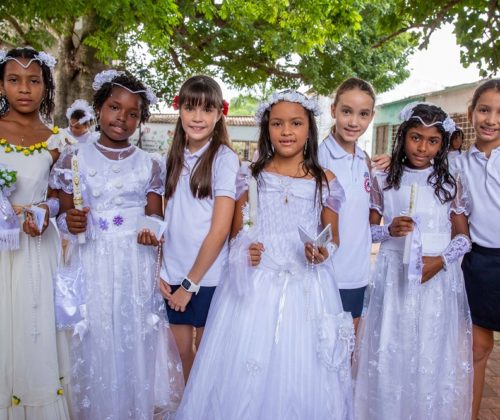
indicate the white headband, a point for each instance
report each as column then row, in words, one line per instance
column 407, row 113
column 287, row 96
column 81, row 105
column 42, row 57
column 107, row 76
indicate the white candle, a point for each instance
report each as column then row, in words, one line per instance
column 252, row 199
column 411, row 212
column 77, row 192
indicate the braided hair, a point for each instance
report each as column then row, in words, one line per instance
column 47, row 104
column 129, row 82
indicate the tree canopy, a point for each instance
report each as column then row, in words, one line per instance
column 284, row 43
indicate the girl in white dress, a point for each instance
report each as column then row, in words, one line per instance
column 277, row 343
column 29, row 371
column 81, row 117
column 414, row 357
column 123, row 361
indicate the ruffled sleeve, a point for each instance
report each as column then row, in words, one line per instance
column 60, row 141
column 377, row 195
column 335, row 196
column 242, row 179
column 158, row 174
column 61, row 177
column 462, row 202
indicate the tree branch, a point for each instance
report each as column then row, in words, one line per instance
column 17, row 27
column 431, row 27
column 175, row 59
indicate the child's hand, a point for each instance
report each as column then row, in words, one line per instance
column 77, row 220
column 432, row 266
column 381, row 162
column 179, row 299
column 401, row 226
column 165, row 289
column 146, row 237
column 315, row 254
column 29, row 225
column 255, row 251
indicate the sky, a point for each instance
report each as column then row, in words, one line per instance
column 434, row 68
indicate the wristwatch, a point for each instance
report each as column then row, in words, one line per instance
column 189, row 286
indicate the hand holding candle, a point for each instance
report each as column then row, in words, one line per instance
column 411, row 212
column 77, row 192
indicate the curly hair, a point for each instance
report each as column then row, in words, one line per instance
column 47, row 104
column 444, row 184
column 129, row 82
column 311, row 162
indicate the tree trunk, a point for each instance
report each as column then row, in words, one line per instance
column 76, row 68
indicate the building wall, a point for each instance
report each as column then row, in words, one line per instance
column 156, row 136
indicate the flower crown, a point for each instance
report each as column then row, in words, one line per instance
column 42, row 57
column 81, row 105
column 287, row 96
column 107, row 76
column 225, row 105
column 407, row 113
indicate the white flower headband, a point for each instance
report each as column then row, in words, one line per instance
column 42, row 57
column 81, row 105
column 107, row 76
column 407, row 113
column 287, row 96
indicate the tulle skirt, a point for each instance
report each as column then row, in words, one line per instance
column 413, row 358
column 279, row 350
column 124, row 362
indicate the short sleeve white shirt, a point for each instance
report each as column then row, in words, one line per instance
column 189, row 218
column 351, row 262
column 482, row 178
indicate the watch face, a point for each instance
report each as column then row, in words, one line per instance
column 186, row 284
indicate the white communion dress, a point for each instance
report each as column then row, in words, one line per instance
column 277, row 344
column 30, row 387
column 124, row 363
column 413, row 358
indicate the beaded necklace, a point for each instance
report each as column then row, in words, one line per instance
column 26, row 150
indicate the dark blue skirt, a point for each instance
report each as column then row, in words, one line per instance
column 352, row 300
column 481, row 269
column 196, row 310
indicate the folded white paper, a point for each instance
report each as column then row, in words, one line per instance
column 157, row 226
column 37, row 214
column 321, row 239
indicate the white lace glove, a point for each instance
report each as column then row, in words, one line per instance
column 457, row 248
column 53, row 206
column 62, row 225
column 379, row 233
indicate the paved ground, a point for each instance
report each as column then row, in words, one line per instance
column 490, row 406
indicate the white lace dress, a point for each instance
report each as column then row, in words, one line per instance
column 413, row 358
column 124, row 363
column 277, row 344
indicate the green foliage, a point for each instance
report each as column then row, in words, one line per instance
column 282, row 43
column 243, row 105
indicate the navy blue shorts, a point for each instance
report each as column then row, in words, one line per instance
column 352, row 300
column 196, row 310
column 481, row 269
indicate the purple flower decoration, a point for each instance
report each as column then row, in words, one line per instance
column 118, row 220
column 103, row 223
